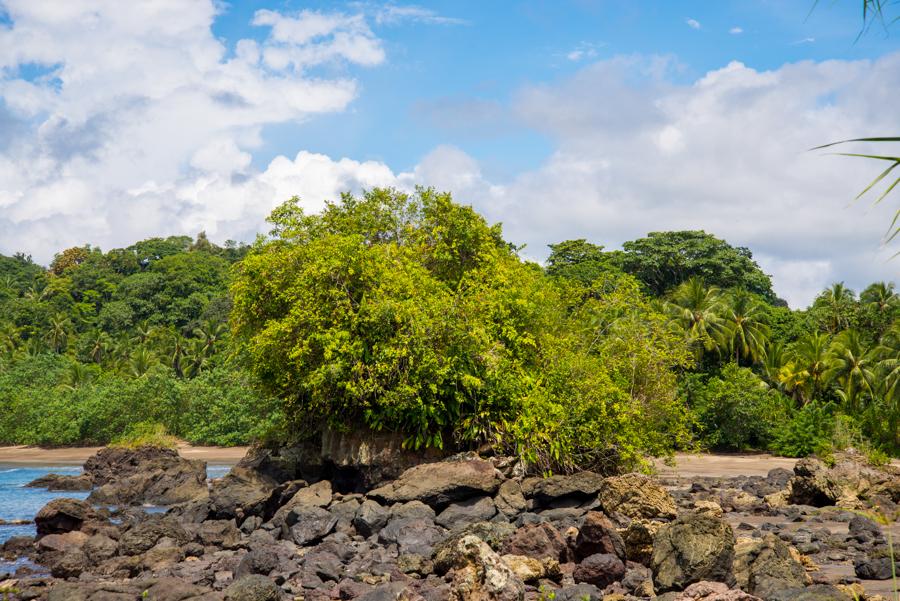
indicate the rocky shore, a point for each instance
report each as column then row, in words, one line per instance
column 280, row 527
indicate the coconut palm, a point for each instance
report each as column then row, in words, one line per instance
column 76, row 375
column 880, row 297
column 836, row 303
column 100, row 346
column 58, row 333
column 852, row 367
column 744, row 328
column 141, row 361
column 810, row 362
column 211, row 332
column 696, row 308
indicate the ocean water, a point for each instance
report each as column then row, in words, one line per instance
column 20, row 503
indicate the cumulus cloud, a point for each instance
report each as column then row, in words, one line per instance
column 693, row 23
column 158, row 136
column 123, row 119
column 736, row 30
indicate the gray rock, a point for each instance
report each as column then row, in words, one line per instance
column 252, row 588
column 370, row 518
column 581, row 485
column 601, row 570
column 412, row 536
column 309, row 524
column 439, row 484
column 465, row 513
column 873, row 568
column 694, row 547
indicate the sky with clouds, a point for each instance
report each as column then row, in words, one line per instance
column 599, row 119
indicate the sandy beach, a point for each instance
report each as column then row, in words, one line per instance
column 25, row 455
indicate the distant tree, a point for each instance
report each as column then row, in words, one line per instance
column 697, row 308
column 835, row 308
column 69, row 258
column 664, row 260
column 577, row 260
column 745, row 328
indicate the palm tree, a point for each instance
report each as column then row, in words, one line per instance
column 852, row 367
column 100, row 346
column 810, row 362
column 197, row 355
column 142, row 332
column 210, row 332
column 837, row 304
column 696, row 308
column 141, row 361
column 77, row 375
column 58, row 334
column 745, row 330
column 880, row 296
column 774, row 358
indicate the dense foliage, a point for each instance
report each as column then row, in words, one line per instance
column 410, row 313
column 100, row 341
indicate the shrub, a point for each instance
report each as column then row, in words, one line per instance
column 145, row 434
column 809, row 431
column 736, row 410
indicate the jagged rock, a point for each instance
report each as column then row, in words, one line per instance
column 530, row 570
column 850, row 484
column 509, row 500
column 581, row 485
column 710, row 507
column 412, row 510
column 57, row 482
column 439, row 484
column 143, row 536
column 478, row 574
column 253, row 588
column 370, row 518
column 638, row 537
column 539, row 541
column 713, row 591
column 873, row 568
column 464, row 513
column 258, row 561
column 765, row 566
column 219, row 533
column 598, row 535
column 579, row 592
column 492, row 533
column 153, row 475
column 99, row 548
column 636, row 496
column 241, row 492
column 692, row 548
column 308, row 524
column 600, row 569
column 412, row 535
column 63, row 515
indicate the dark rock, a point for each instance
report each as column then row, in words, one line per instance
column 509, row 500
column 327, row 566
column 258, row 561
column 779, row 477
column 598, row 535
column 153, row 475
column 764, row 567
column 464, row 513
column 442, row 483
column 412, row 536
column 309, row 524
column 99, row 548
column 579, row 592
column 601, row 570
column 219, row 533
column 241, row 492
column 692, row 548
column 581, row 485
column 370, row 518
column 492, row 533
column 253, row 588
column 873, row 568
column 63, row 515
column 143, row 536
column 57, row 482
column 412, row 510
column 539, row 541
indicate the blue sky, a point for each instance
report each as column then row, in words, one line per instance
column 441, row 74
column 595, row 119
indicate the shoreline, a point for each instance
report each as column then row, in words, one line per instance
column 22, row 455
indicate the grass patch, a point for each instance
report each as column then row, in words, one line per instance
column 145, row 434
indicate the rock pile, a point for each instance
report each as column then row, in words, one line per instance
column 464, row 528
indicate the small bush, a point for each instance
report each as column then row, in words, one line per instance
column 736, row 410
column 145, row 434
column 809, row 431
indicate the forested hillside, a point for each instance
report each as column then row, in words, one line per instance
column 411, row 313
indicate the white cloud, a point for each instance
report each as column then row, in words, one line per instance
column 392, row 14
column 736, row 31
column 584, row 51
column 693, row 23
column 156, row 137
column 803, row 41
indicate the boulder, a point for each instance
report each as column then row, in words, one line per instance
column 581, row 485
column 850, row 484
column 492, row 533
column 600, row 569
column 541, row 541
column 765, row 566
column 464, row 513
column 692, row 548
column 307, row 524
column 479, row 574
column 416, row 536
column 638, row 537
column 63, row 515
column 530, row 570
column 145, row 475
column 57, row 482
column 816, row 592
column 636, row 496
column 222, row 534
column 598, row 535
column 370, row 518
column 253, row 588
column 509, row 500
column 873, row 568
column 144, row 535
column 713, row 591
column 439, row 484
column 240, row 493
